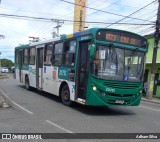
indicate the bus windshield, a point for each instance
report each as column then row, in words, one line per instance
column 112, row 63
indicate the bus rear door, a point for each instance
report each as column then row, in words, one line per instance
column 39, row 68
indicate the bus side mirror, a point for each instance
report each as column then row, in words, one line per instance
column 92, row 50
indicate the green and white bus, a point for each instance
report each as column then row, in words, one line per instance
column 98, row 67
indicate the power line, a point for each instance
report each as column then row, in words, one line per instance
column 146, row 14
column 61, row 20
column 76, row 10
column 137, row 27
column 104, row 11
column 134, row 12
column 42, row 29
column 104, row 7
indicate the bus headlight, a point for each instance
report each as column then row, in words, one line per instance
column 94, row 88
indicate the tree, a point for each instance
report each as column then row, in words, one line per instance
column 7, row 63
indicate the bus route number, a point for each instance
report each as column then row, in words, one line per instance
column 62, row 72
column 111, row 37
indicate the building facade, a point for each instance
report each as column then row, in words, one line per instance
column 156, row 89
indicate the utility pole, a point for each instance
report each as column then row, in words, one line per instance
column 54, row 34
column 154, row 58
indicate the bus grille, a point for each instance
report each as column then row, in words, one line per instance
column 122, row 85
column 120, row 95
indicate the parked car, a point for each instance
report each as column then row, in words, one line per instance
column 4, row 70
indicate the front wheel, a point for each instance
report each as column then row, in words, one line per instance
column 65, row 96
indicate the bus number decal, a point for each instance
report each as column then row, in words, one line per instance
column 110, row 90
column 62, row 73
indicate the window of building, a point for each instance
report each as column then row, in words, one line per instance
column 57, row 55
column 32, row 53
column 25, row 61
column 48, row 54
column 69, row 53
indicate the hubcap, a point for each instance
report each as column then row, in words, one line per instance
column 66, row 95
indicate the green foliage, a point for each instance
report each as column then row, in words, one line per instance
column 7, row 63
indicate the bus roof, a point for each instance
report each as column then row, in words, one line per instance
column 22, row 46
column 73, row 35
column 94, row 31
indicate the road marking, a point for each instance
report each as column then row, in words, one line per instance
column 16, row 103
column 149, row 108
column 60, row 127
column 22, row 107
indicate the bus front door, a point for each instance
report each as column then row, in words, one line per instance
column 39, row 68
column 82, row 69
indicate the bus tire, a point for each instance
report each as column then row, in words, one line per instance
column 27, row 83
column 65, row 96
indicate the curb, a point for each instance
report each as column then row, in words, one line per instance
column 145, row 100
column 3, row 77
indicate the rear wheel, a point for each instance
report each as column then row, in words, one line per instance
column 27, row 83
column 65, row 96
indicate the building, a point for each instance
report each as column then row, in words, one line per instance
column 156, row 89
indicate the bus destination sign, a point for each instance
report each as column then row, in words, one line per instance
column 121, row 37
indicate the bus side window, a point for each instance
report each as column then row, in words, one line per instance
column 32, row 53
column 57, row 54
column 26, row 55
column 48, row 54
column 69, row 53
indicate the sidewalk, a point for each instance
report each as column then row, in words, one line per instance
column 153, row 100
column 3, row 76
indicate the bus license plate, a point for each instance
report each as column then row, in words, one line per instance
column 120, row 101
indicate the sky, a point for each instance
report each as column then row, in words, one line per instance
column 18, row 30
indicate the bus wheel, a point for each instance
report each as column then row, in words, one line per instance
column 65, row 96
column 27, row 83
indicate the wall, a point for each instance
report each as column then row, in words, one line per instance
column 149, row 61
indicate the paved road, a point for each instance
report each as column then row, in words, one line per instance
column 37, row 112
